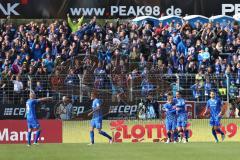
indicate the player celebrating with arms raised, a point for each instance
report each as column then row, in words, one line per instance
column 32, row 121
column 215, row 106
column 181, row 116
column 96, row 121
column 170, row 121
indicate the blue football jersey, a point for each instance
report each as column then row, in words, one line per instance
column 30, row 109
column 96, row 103
column 180, row 103
column 170, row 111
column 215, row 106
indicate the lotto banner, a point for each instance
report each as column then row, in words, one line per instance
column 136, row 131
column 15, row 131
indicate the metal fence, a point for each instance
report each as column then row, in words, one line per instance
column 118, row 87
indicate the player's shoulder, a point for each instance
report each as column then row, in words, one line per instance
column 29, row 101
column 33, row 100
column 208, row 101
column 166, row 105
column 97, row 101
column 219, row 99
column 183, row 98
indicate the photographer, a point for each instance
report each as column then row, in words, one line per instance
column 65, row 109
column 152, row 107
column 149, row 108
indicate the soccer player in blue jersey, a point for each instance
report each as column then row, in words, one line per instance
column 96, row 121
column 32, row 121
column 214, row 104
column 171, row 120
column 181, row 117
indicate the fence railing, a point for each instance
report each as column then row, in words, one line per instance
column 116, row 87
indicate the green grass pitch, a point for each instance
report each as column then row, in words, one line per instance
column 124, row 151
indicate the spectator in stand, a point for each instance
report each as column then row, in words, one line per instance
column 36, row 50
column 175, row 87
column 147, row 87
column 233, row 90
column 57, row 81
column 207, row 88
column 39, row 90
column 48, row 63
column 71, row 78
column 100, row 75
column 196, row 90
column 121, row 48
column 1, row 91
column 73, row 24
column 18, row 88
column 238, row 73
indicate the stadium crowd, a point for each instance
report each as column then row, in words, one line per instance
column 115, row 53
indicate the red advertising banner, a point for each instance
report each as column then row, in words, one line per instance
column 190, row 107
column 15, row 131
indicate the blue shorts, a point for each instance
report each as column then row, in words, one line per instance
column 182, row 120
column 96, row 123
column 33, row 124
column 215, row 121
column 170, row 125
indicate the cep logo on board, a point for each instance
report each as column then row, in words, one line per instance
column 14, row 111
column 123, row 109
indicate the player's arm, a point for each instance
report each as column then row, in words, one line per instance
column 45, row 99
column 164, row 108
column 221, row 113
column 95, row 110
column 174, row 106
column 172, row 110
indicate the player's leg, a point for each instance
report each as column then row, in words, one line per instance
column 99, row 127
column 29, row 135
column 217, row 128
column 38, row 132
column 221, row 132
column 168, row 128
column 175, row 135
column 185, row 130
column 186, row 134
column 93, row 125
column 179, row 128
column 214, row 133
column 169, row 136
column 175, row 131
column 180, row 133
